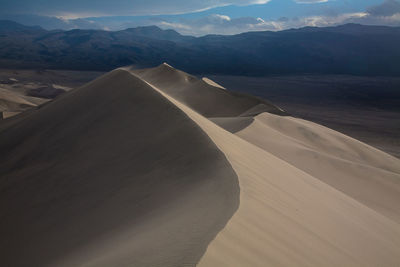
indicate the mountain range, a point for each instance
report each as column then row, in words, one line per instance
column 347, row 49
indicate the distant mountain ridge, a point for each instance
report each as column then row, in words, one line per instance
column 8, row 26
column 159, row 34
column 347, row 49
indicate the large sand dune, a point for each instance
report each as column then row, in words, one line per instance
column 112, row 174
column 155, row 167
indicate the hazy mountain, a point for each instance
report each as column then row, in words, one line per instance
column 347, row 49
column 51, row 23
column 157, row 33
column 8, row 27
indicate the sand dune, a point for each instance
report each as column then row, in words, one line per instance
column 362, row 172
column 156, row 167
column 13, row 102
column 10, row 101
column 111, row 174
column 199, row 95
column 288, row 218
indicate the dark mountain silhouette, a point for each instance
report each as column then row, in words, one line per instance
column 346, row 49
column 157, row 33
column 8, row 27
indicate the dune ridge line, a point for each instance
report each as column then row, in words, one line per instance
column 287, row 217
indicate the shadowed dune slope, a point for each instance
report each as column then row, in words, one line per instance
column 110, row 174
column 208, row 100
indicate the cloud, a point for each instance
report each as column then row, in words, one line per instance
column 216, row 24
column 77, row 8
column 222, row 24
column 51, row 23
column 310, row 1
column 387, row 13
column 387, row 8
column 202, row 23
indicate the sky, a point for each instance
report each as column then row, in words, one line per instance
column 200, row 17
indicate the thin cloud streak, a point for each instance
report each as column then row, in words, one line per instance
column 90, row 8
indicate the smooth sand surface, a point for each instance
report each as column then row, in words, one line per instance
column 212, row 83
column 362, row 172
column 233, row 124
column 13, row 102
column 110, row 174
column 9, row 114
column 10, row 101
column 199, row 95
column 288, row 217
column 155, row 167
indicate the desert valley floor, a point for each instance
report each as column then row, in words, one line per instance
column 156, row 167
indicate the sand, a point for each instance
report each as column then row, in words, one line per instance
column 110, row 174
column 155, row 167
column 14, row 102
column 288, row 217
column 199, row 95
column 362, row 172
column 365, row 108
column 9, row 114
column 212, row 83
